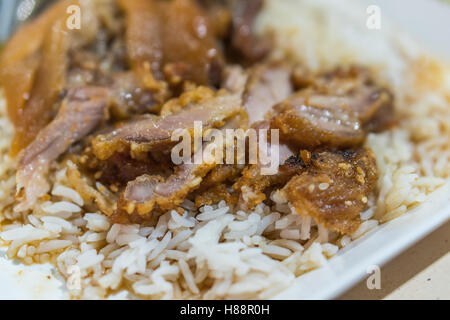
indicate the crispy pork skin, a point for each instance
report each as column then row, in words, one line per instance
column 151, row 133
column 335, row 109
column 334, row 188
column 309, row 120
column 267, row 85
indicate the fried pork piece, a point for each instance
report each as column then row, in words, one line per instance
column 371, row 104
column 176, row 34
column 267, row 85
column 243, row 41
column 81, row 112
column 121, row 168
column 148, row 192
column 154, row 133
column 216, row 194
column 130, row 98
column 334, row 188
column 221, row 174
column 253, row 186
column 261, row 87
column 309, row 120
column 151, row 192
column 334, row 109
column 34, row 65
column 217, row 184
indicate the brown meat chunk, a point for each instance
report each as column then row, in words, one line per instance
column 160, row 33
column 334, row 188
column 34, row 65
column 146, row 193
column 371, row 103
column 253, row 186
column 20, row 61
column 49, row 79
column 216, row 194
column 267, row 85
column 143, row 35
column 81, row 112
column 310, row 120
column 129, row 97
column 121, row 168
column 190, row 39
column 221, row 174
column 243, row 41
column 154, row 133
column 333, row 109
column 217, row 184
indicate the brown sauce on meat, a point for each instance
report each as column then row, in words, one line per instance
column 334, row 188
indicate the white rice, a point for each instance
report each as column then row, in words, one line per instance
column 68, row 193
column 62, row 206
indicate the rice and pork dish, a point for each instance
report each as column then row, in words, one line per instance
column 359, row 120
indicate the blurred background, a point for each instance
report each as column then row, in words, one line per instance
column 427, row 20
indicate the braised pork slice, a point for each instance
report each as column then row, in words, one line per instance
column 335, row 109
column 81, row 112
column 356, row 81
column 129, row 97
column 148, row 192
column 267, row 85
column 253, row 182
column 371, row 103
column 161, row 35
column 310, row 120
column 154, row 133
column 253, row 186
column 334, row 188
column 244, row 42
column 216, row 186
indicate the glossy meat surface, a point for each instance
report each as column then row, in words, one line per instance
column 334, row 188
